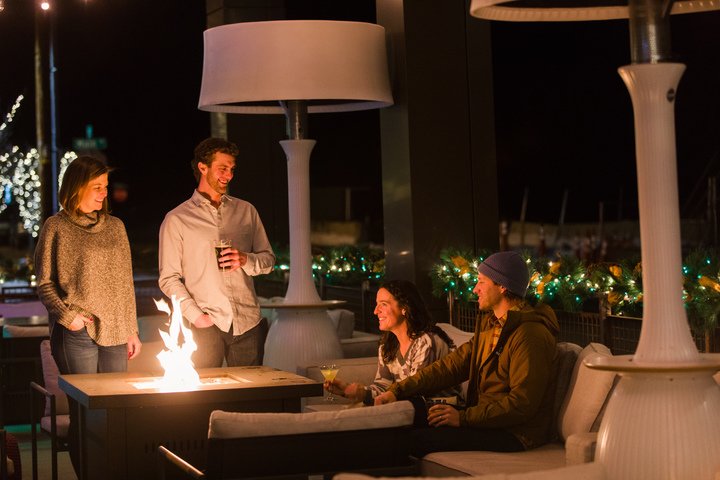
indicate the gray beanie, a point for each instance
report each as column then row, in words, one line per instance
column 507, row 269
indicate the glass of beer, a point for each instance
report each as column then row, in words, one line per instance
column 221, row 245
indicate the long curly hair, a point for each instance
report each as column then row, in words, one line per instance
column 418, row 318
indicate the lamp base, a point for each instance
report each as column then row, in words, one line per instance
column 663, row 425
column 300, row 335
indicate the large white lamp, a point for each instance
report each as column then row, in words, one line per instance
column 663, row 420
column 294, row 68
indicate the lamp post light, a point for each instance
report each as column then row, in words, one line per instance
column 48, row 167
column 662, row 419
column 296, row 68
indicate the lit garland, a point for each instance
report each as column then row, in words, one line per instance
column 346, row 265
column 567, row 284
column 619, row 284
column 457, row 273
column 702, row 289
column 561, row 282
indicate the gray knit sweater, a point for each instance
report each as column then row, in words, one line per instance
column 83, row 265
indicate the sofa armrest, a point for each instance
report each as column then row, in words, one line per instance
column 580, row 448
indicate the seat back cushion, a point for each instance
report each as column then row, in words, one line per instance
column 586, row 394
column 458, row 337
column 50, row 378
column 344, row 322
column 243, row 425
column 566, row 358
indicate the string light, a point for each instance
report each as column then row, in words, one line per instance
column 19, row 174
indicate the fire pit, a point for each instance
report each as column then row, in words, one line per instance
column 125, row 416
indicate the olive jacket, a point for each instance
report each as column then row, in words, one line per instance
column 512, row 388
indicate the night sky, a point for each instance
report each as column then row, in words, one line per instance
column 132, row 69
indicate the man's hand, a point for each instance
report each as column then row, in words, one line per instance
column 386, row 397
column 443, row 415
column 231, row 259
column 133, row 346
column 79, row 322
column 203, row 321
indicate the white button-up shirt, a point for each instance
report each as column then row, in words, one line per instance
column 189, row 269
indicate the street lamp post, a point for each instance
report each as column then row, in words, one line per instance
column 48, row 166
column 53, row 118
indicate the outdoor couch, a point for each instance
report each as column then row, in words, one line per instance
column 580, row 399
column 255, row 445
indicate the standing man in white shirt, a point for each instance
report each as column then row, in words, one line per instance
column 220, row 303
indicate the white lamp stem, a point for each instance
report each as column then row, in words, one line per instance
column 665, row 335
column 663, row 419
column 301, row 287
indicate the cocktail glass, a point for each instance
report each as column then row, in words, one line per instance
column 329, row 371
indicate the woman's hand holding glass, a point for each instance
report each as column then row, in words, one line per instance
column 354, row 391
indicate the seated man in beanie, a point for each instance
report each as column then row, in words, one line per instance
column 510, row 366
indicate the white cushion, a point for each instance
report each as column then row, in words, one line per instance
column 580, row 448
column 482, row 463
column 586, row 393
column 242, row 425
column 588, row 471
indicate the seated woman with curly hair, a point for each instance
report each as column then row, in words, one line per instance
column 409, row 342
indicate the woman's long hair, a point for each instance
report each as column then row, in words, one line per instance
column 78, row 175
column 417, row 316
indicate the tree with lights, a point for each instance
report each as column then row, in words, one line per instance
column 19, row 176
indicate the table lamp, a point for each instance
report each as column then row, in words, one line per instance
column 296, row 67
column 663, row 419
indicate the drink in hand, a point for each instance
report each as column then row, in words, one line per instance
column 221, row 245
column 329, row 372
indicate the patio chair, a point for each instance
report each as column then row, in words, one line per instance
column 56, row 417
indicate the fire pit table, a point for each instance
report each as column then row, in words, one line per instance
column 125, row 416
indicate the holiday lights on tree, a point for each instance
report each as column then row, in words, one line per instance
column 19, row 175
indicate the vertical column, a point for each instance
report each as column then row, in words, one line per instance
column 438, row 150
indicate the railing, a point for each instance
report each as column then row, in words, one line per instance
column 620, row 334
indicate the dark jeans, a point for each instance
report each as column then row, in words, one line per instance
column 76, row 352
column 214, row 346
column 425, row 439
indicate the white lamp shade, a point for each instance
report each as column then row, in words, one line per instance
column 335, row 66
column 565, row 11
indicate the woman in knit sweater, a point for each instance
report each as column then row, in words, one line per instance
column 410, row 341
column 84, row 279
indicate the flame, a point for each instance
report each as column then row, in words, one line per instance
column 176, row 360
